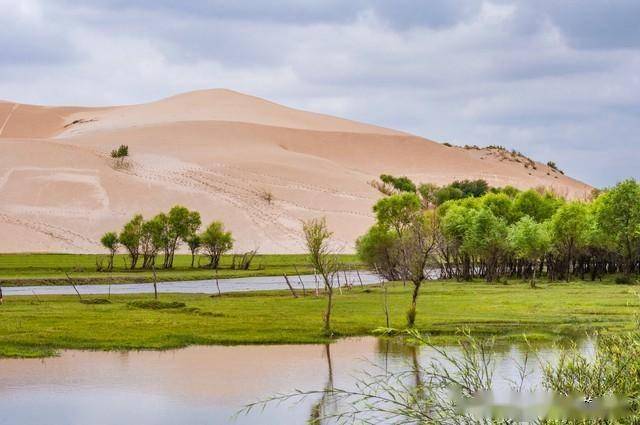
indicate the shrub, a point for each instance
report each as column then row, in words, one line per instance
column 624, row 280
column 553, row 166
column 121, row 152
column 156, row 305
column 96, row 301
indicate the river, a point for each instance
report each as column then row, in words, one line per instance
column 242, row 284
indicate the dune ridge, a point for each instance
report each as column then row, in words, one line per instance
column 217, row 151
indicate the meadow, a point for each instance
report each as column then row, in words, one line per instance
column 50, row 269
column 37, row 327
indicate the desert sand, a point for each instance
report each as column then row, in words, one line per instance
column 217, row 151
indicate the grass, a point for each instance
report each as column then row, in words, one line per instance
column 32, row 328
column 49, row 269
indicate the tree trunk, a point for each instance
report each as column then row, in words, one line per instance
column 327, row 314
column 155, row 283
column 411, row 314
column 533, row 275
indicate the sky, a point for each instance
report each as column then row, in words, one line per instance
column 556, row 80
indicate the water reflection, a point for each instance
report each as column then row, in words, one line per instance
column 204, row 385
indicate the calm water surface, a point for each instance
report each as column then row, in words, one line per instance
column 199, row 385
column 242, row 284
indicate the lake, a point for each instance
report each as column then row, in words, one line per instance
column 201, row 385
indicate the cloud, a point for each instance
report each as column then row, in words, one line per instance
column 556, row 80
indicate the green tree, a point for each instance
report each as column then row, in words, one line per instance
column 378, row 249
column 215, row 242
column 416, row 245
column 427, row 192
column 401, row 184
column 569, row 226
column 130, row 238
column 179, row 224
column 501, row 205
column 110, row 241
column 535, row 205
column 448, row 193
column 397, row 211
column 530, row 241
column 194, row 243
column 317, row 238
column 152, row 240
column 474, row 188
column 487, row 237
column 454, row 227
column 618, row 214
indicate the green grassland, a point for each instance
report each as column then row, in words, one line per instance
column 31, row 327
column 49, row 269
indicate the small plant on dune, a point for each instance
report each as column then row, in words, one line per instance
column 553, row 166
column 120, row 157
column 266, row 195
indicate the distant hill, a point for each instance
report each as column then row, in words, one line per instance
column 220, row 152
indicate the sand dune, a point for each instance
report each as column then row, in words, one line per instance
column 217, row 151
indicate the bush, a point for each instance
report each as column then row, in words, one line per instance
column 553, row 166
column 96, row 301
column 121, row 152
column 156, row 305
column 624, row 280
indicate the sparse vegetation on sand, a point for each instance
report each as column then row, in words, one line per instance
column 49, row 269
column 36, row 327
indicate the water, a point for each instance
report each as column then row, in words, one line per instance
column 243, row 284
column 200, row 385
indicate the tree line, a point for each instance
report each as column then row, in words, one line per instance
column 144, row 240
column 500, row 233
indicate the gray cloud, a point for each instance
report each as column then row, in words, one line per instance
column 556, row 80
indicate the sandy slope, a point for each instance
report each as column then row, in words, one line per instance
column 216, row 151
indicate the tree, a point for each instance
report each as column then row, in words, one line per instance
column 569, row 227
column 215, row 242
column 501, row 205
column 397, row 211
column 110, row 241
column 130, row 238
column 416, row 244
column 530, row 241
column 487, row 237
column 151, row 240
column 535, row 205
column 178, row 225
column 448, row 193
column 317, row 238
column 401, row 184
column 378, row 249
column 194, row 244
column 454, row 226
column 474, row 188
column 427, row 193
column 618, row 214
column 401, row 242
